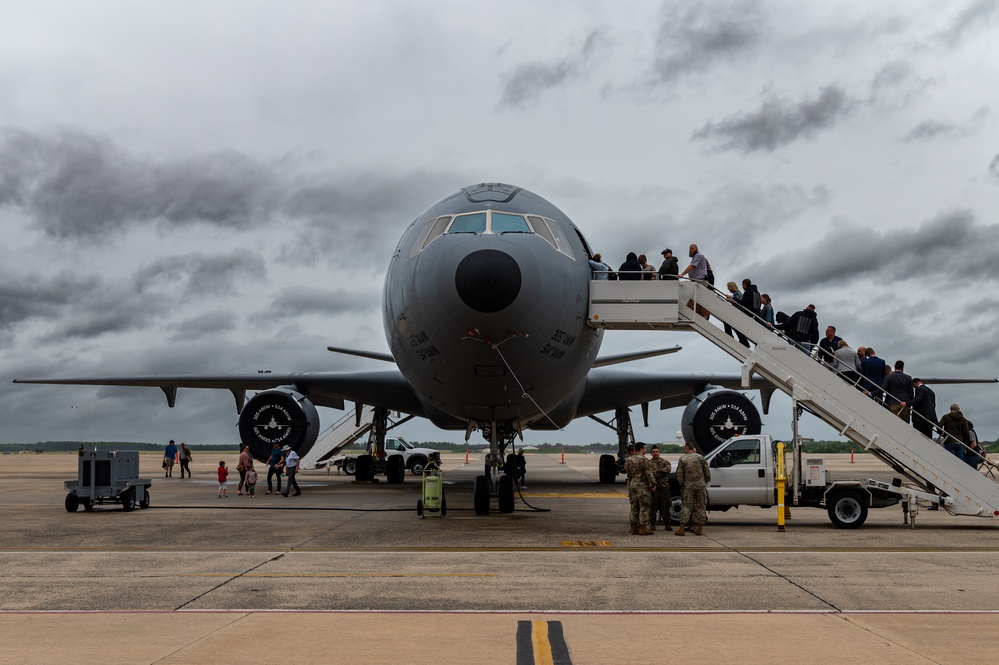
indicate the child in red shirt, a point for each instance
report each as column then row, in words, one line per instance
column 223, row 474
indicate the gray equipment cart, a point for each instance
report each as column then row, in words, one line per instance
column 108, row 475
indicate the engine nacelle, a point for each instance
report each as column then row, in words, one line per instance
column 716, row 415
column 280, row 416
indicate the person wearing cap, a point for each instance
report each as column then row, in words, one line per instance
column 670, row 267
column 291, row 468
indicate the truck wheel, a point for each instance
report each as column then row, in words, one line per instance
column 417, row 463
column 128, row 500
column 506, row 494
column 72, row 503
column 144, row 502
column 848, row 510
column 675, row 510
column 395, row 470
column 349, row 466
column 480, row 495
column 608, row 469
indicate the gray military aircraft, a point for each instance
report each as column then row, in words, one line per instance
column 485, row 314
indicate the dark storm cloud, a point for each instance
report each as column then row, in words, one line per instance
column 106, row 310
column 994, row 167
column 694, row 36
column 931, row 128
column 950, row 246
column 777, row 122
column 298, row 301
column 976, row 16
column 206, row 325
column 24, row 297
column 527, row 82
column 200, row 274
column 77, row 185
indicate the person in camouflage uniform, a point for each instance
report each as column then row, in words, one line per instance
column 693, row 475
column 661, row 497
column 641, row 483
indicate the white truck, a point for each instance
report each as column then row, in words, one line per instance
column 413, row 457
column 744, row 473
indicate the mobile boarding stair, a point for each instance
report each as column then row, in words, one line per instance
column 671, row 305
column 338, row 436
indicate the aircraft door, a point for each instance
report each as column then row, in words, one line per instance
column 739, row 475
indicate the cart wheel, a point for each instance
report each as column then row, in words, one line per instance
column 419, row 507
column 128, row 500
column 72, row 503
column 443, row 506
column 88, row 504
column 144, row 503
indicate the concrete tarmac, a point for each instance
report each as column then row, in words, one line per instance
column 348, row 573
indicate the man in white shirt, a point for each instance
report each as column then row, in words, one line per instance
column 291, row 468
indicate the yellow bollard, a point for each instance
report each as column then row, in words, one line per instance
column 781, row 487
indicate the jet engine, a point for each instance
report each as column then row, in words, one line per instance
column 716, row 415
column 281, row 416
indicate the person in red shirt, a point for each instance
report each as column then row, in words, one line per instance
column 223, row 474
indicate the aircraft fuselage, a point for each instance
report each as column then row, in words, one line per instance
column 485, row 309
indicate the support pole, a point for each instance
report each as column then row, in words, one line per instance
column 781, row 485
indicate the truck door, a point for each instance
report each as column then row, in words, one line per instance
column 740, row 474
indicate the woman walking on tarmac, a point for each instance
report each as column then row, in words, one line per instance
column 185, row 459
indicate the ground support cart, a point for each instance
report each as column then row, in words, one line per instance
column 108, row 476
column 433, row 500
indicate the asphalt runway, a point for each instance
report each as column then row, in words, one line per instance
column 348, row 573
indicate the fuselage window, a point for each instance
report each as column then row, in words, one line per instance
column 542, row 230
column 436, row 230
column 474, row 223
column 506, row 223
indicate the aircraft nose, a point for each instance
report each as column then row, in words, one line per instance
column 488, row 280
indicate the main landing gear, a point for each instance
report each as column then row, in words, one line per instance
column 610, row 465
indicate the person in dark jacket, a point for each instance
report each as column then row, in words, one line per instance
column 924, row 408
column 670, row 266
column 898, row 391
column 874, row 370
column 957, row 430
column 631, row 268
column 803, row 328
column 749, row 301
column 828, row 346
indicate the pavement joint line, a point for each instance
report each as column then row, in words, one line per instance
column 721, row 549
column 321, row 575
column 553, row 612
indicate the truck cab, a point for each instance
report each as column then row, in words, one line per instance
column 742, row 472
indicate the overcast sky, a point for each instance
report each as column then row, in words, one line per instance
column 218, row 187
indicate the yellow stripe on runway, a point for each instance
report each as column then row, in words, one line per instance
column 539, row 640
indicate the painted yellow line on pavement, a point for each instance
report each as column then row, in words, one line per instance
column 539, row 640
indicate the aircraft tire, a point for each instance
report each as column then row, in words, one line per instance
column 480, row 495
column 364, row 471
column 395, row 470
column 443, row 505
column 128, row 500
column 419, row 508
column 608, row 469
column 511, row 464
column 848, row 510
column 72, row 503
column 506, row 494
column 144, row 502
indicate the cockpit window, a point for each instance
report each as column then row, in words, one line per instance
column 506, row 223
column 492, row 222
column 474, row 223
column 436, row 229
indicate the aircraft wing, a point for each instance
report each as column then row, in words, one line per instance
column 387, row 389
column 609, row 389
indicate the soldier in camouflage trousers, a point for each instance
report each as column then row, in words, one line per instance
column 693, row 475
column 661, row 497
column 641, row 483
